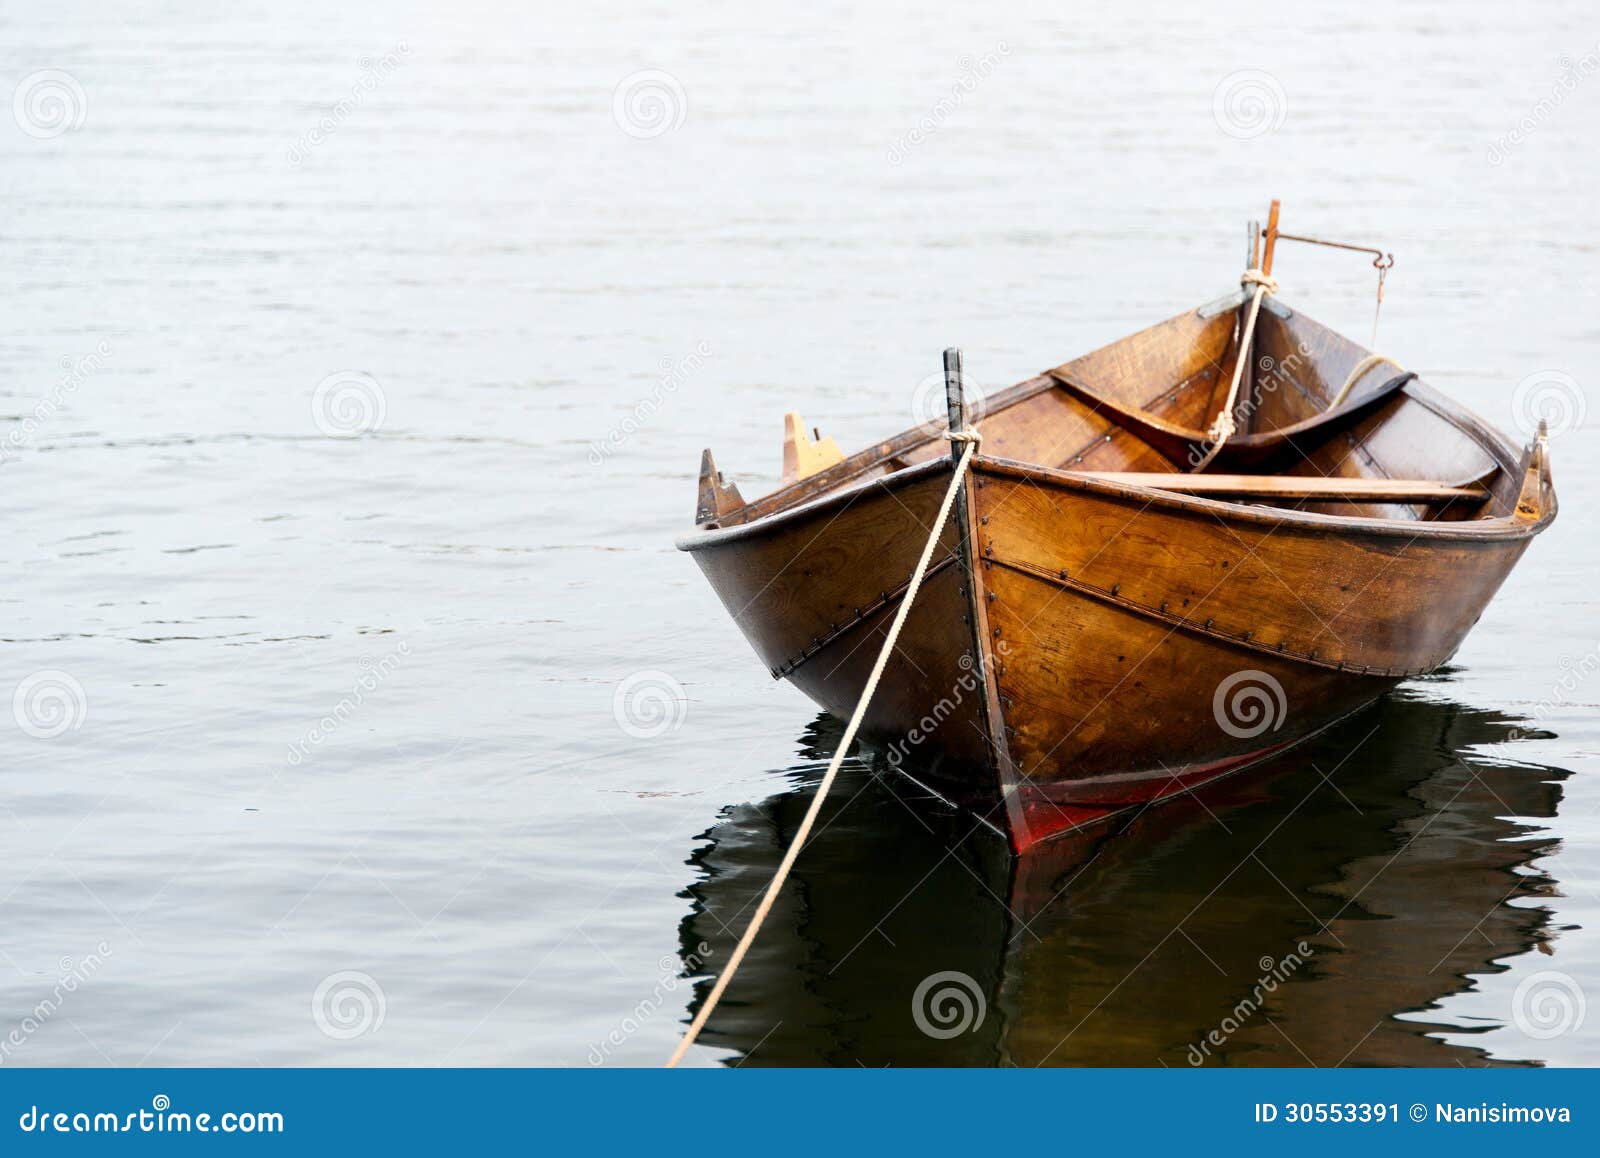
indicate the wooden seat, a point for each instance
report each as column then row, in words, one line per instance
column 1355, row 490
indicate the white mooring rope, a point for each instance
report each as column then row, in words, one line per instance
column 971, row 438
column 1356, row 373
column 1222, row 429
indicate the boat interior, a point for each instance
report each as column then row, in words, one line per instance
column 1322, row 425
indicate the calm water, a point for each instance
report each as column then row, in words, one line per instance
column 315, row 756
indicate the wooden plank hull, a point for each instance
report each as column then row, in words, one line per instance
column 815, row 595
column 1139, row 645
column 1154, row 645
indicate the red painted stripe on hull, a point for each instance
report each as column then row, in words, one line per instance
column 1055, row 810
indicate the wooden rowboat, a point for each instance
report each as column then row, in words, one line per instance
column 1128, row 604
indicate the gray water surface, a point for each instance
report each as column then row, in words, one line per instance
column 357, row 364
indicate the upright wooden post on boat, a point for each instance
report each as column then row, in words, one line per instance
column 955, row 403
column 956, row 410
column 1272, row 238
column 956, row 407
column 984, row 643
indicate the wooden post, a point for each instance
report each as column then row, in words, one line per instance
column 1252, row 252
column 955, row 403
column 1272, row 238
column 974, row 591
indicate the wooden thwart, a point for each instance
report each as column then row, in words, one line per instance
column 1296, row 487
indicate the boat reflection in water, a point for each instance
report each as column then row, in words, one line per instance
column 1310, row 911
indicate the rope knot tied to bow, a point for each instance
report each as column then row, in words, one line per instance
column 1222, row 429
column 1265, row 281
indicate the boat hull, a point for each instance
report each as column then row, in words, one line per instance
column 1111, row 646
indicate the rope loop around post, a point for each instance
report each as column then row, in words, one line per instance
column 1255, row 277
